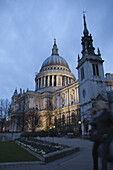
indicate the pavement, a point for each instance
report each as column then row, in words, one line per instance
column 81, row 160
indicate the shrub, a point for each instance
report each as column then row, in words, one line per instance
column 53, row 132
column 43, row 133
column 29, row 134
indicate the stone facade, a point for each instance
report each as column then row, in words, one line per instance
column 54, row 103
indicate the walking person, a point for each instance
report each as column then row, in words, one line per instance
column 102, row 123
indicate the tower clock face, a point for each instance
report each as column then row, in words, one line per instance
column 84, row 93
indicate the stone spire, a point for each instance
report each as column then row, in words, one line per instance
column 85, row 32
column 87, row 41
column 15, row 92
column 99, row 52
column 15, row 95
column 78, row 57
column 55, row 49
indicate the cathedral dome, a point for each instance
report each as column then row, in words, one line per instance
column 55, row 60
column 54, row 73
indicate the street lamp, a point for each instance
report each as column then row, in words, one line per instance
column 79, row 122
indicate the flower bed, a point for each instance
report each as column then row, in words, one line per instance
column 39, row 147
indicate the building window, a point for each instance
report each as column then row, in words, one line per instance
column 93, row 65
column 95, row 69
column 82, row 73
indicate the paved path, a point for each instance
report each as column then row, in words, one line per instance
column 81, row 160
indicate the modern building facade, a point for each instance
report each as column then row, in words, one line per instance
column 59, row 100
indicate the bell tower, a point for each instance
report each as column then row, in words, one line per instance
column 90, row 76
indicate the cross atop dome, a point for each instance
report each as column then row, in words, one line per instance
column 55, row 49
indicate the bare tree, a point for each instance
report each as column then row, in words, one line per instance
column 32, row 120
column 4, row 107
column 1, row 107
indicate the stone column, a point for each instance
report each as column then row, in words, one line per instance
column 52, row 80
column 49, row 80
column 61, row 80
column 77, row 95
column 40, row 82
column 68, row 80
column 65, row 80
column 44, row 81
column 71, row 80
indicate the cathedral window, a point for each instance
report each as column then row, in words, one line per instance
column 82, row 73
column 95, row 69
column 93, row 65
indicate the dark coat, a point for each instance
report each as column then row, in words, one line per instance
column 102, row 125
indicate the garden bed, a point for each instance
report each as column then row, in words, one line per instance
column 39, row 146
column 46, row 151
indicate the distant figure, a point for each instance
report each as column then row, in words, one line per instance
column 102, row 131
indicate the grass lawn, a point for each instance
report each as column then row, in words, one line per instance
column 11, row 152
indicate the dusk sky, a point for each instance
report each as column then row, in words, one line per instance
column 28, row 28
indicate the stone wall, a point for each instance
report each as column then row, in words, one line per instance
column 9, row 136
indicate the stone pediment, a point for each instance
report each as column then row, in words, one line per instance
column 99, row 97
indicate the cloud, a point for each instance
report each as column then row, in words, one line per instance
column 27, row 30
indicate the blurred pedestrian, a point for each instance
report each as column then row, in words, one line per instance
column 102, row 123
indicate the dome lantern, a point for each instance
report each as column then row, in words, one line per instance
column 55, row 49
